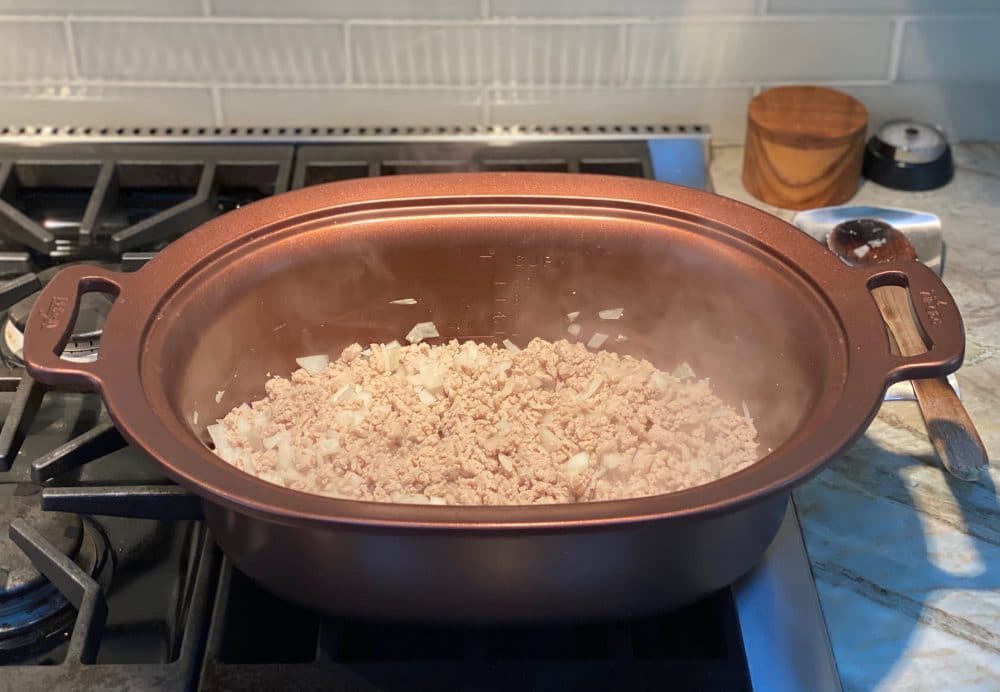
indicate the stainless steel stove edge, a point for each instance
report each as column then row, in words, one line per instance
column 785, row 638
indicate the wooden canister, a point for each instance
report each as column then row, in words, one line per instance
column 804, row 146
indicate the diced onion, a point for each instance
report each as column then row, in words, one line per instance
column 506, row 462
column 217, row 433
column 548, row 439
column 344, row 394
column 403, row 301
column 276, row 439
column 597, row 340
column 224, row 450
column 218, row 395
column 657, row 380
column 502, row 366
column 329, row 444
column 390, row 356
column 621, row 339
column 510, row 346
column 573, row 315
column 314, row 364
column 421, row 331
column 683, row 372
column 612, row 460
column 595, row 383
column 611, row 313
column 364, row 395
column 425, row 396
column 428, row 376
column 285, row 454
column 746, row 411
column 194, row 418
column 574, row 329
column 577, row 463
column 349, row 418
column 468, row 357
column 862, row 250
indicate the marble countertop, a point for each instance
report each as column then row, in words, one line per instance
column 906, row 558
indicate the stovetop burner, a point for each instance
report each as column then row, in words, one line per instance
column 34, row 616
column 85, row 339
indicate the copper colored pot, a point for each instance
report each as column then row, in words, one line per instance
column 746, row 299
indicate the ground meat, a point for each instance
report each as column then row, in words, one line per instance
column 478, row 424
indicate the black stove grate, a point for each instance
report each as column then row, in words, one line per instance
column 261, row 642
column 324, row 163
column 82, row 202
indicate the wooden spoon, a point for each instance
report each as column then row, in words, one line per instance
column 952, row 432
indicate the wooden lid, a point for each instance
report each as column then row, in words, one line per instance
column 807, row 116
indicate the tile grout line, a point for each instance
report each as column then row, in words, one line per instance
column 217, row 105
column 487, row 107
column 621, row 79
column 753, row 18
column 348, row 58
column 429, row 86
column 896, row 48
column 485, row 6
column 74, row 63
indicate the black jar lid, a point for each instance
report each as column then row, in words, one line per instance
column 908, row 155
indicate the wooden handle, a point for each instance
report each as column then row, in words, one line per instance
column 951, row 431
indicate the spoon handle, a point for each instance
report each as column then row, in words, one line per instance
column 951, row 431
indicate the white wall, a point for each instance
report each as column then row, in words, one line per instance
column 445, row 62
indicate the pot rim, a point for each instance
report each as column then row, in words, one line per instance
column 842, row 412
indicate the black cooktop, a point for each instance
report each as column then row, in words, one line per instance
column 123, row 588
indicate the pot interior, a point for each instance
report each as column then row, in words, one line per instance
column 692, row 292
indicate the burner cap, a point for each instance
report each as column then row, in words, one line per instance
column 94, row 308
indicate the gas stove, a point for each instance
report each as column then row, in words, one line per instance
column 107, row 577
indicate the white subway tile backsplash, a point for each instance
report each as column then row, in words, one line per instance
column 33, row 50
column 965, row 111
column 774, row 50
column 130, row 7
column 545, row 54
column 618, row 8
column 882, row 6
column 723, row 108
column 372, row 9
column 368, row 107
column 409, row 54
column 958, row 49
column 214, row 51
column 403, row 62
column 104, row 106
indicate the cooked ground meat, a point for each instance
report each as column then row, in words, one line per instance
column 478, row 424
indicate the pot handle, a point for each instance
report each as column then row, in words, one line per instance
column 937, row 314
column 51, row 321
